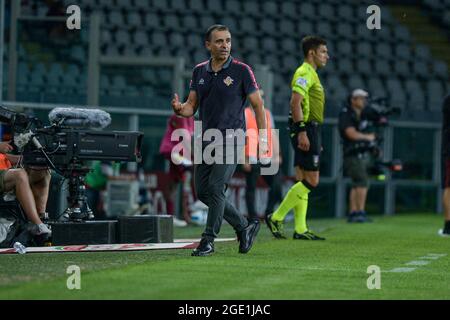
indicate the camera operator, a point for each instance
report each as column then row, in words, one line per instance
column 353, row 122
column 30, row 185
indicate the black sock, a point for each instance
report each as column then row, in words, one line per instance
column 447, row 226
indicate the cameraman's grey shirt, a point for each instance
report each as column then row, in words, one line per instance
column 222, row 95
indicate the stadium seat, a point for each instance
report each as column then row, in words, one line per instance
column 197, row 6
column 269, row 45
column 161, row 5
column 307, row 10
column 364, row 49
column 403, row 52
column 158, row 39
column 383, row 50
column 251, row 9
column 382, row 67
column 171, row 22
column 189, row 22
column 376, row 87
column 305, row 28
column 289, row 10
column 206, row 22
column 345, row 66
column 122, row 38
column 176, row 40
column 421, row 70
column 115, row 18
column 440, row 69
column 422, row 52
column 356, row 81
column 269, row 8
column 345, row 31
column 152, row 21
column 134, row 19
column 326, row 12
column 364, row 67
column 269, row 28
column 344, row 48
column 140, row 38
column 402, row 68
column 233, row 7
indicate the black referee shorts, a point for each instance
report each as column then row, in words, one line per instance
column 445, row 171
column 310, row 160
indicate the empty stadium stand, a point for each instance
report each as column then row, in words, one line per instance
column 387, row 62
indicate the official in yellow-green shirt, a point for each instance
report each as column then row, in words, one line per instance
column 305, row 120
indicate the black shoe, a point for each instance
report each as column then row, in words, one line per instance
column 352, row 217
column 362, row 218
column 308, row 235
column 276, row 227
column 205, row 248
column 247, row 236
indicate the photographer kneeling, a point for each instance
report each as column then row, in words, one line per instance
column 357, row 152
column 30, row 185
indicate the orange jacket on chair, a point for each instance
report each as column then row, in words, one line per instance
column 5, row 164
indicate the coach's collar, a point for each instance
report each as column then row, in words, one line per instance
column 225, row 65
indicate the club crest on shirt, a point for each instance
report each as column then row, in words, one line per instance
column 202, row 81
column 228, row 81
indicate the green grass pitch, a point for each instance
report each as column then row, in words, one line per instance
column 274, row 269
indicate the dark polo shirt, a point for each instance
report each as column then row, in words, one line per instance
column 222, row 95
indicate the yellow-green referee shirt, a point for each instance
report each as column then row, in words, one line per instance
column 307, row 83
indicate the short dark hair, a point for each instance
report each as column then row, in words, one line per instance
column 214, row 27
column 312, row 43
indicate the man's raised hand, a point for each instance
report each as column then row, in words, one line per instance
column 176, row 104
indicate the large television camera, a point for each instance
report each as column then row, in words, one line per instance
column 376, row 113
column 72, row 139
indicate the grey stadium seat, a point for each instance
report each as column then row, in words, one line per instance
column 176, row 40
column 140, row 38
column 115, row 18
column 383, row 50
column 172, row 22
column 344, row 48
column 403, row 52
column 289, row 9
column 269, row 45
column 402, row 68
column 421, row 69
column 364, row 67
column 134, row 19
column 440, row 69
column 376, row 87
column 401, row 33
column 269, row 27
column 190, row 22
column 206, row 22
column 162, row 5
column 197, row 6
column 158, row 39
column 251, row 8
column 345, row 66
column 151, row 20
column 286, row 27
column 382, row 68
column 289, row 46
column 122, row 38
column 140, row 4
column 345, row 31
column 422, row 52
column 305, row 27
column 326, row 11
column 233, row 7
column 356, row 81
column 364, row 49
column 269, row 8
column 307, row 10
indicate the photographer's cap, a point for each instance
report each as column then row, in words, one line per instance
column 359, row 93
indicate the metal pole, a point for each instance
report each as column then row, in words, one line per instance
column 94, row 61
column 2, row 40
column 437, row 169
column 12, row 65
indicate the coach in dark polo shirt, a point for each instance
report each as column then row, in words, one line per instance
column 219, row 88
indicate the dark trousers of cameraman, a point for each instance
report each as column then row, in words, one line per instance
column 275, row 194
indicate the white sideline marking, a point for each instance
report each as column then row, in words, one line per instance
column 402, row 270
column 429, row 256
column 417, row 263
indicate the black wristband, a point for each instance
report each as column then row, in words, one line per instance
column 299, row 127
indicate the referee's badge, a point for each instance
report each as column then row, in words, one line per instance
column 302, row 82
column 228, row 81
